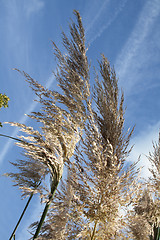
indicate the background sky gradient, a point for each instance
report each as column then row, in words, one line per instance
column 128, row 34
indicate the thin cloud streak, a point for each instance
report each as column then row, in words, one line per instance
column 104, row 27
column 97, row 15
column 142, row 28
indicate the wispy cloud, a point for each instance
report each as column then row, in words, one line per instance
column 96, row 18
column 143, row 145
column 129, row 54
column 134, row 55
column 17, row 23
column 33, row 6
column 16, row 44
column 102, row 28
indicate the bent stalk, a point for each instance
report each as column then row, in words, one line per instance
column 13, row 233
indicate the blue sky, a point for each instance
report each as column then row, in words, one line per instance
column 128, row 34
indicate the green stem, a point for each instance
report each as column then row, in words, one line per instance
column 13, row 233
column 53, row 189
